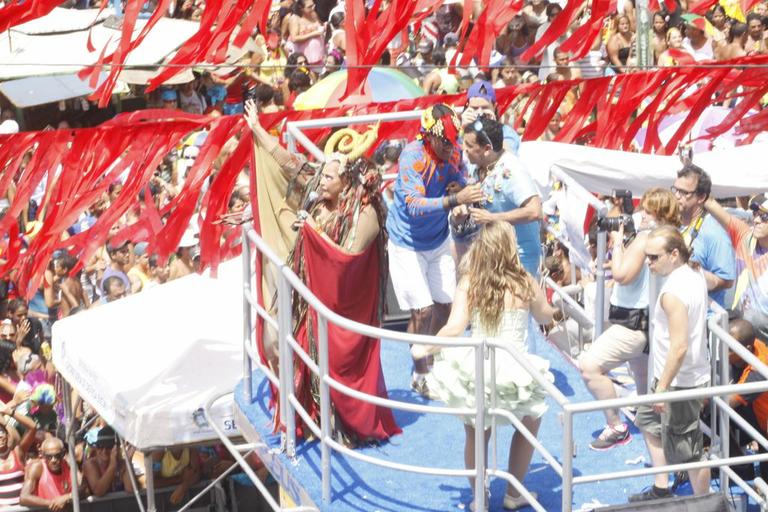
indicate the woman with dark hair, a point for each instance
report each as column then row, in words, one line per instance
column 306, row 33
column 332, row 63
column 720, row 25
column 30, row 329
column 335, row 34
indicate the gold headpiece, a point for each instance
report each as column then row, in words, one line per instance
column 350, row 143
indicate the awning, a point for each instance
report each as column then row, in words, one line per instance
column 39, row 90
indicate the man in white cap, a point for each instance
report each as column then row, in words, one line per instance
column 184, row 264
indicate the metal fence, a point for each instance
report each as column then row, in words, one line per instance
column 288, row 283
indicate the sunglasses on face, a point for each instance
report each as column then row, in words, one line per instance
column 759, row 214
column 54, row 456
column 652, row 258
column 680, row 192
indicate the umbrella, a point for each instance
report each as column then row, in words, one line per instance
column 382, row 84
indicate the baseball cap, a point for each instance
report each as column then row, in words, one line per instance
column 482, row 89
column 168, row 95
column 425, row 46
column 140, row 249
column 188, row 239
column 112, row 246
column 695, row 20
column 105, row 437
column 8, row 127
column 759, row 202
column 451, row 39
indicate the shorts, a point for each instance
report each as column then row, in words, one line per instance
column 422, row 278
column 678, row 427
column 618, row 345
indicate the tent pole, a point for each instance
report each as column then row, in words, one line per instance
column 150, row 476
column 70, row 432
column 131, row 474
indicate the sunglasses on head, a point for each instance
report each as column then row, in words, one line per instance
column 477, row 126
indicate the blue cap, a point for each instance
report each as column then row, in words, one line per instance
column 482, row 89
column 168, row 95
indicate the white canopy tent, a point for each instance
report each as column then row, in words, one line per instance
column 734, row 171
column 149, row 362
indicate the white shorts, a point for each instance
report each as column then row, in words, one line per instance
column 422, row 278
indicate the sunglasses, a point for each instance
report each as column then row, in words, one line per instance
column 477, row 126
column 652, row 258
column 759, row 214
column 54, row 456
column 681, row 192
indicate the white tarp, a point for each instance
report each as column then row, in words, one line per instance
column 734, row 171
column 24, row 55
column 149, row 362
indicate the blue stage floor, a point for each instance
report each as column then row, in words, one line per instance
column 438, row 441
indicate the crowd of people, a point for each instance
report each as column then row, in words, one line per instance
column 461, row 218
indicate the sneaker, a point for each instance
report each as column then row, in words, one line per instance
column 610, row 437
column 420, row 386
column 654, row 493
column 516, row 502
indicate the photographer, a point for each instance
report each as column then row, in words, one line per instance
column 626, row 340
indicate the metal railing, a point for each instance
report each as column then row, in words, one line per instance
column 288, row 283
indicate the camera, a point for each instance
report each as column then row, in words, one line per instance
column 625, row 219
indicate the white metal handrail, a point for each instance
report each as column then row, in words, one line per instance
column 565, row 470
column 290, row 404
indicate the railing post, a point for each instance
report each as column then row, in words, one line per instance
column 480, row 425
column 70, row 434
column 325, row 407
column 602, row 243
column 567, row 461
column 247, row 319
column 284, row 314
column 722, row 416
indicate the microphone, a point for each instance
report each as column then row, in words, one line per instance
column 312, row 198
column 310, row 201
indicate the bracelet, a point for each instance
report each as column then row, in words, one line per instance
column 453, row 201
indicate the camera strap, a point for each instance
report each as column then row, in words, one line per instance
column 692, row 230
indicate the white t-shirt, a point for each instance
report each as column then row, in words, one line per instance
column 689, row 287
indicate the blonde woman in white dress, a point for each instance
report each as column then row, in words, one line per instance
column 497, row 296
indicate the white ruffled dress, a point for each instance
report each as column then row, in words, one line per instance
column 453, row 375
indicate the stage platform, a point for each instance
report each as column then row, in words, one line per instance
column 438, row 441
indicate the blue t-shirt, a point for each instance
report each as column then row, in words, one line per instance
column 511, row 139
column 507, row 186
column 417, row 219
column 712, row 249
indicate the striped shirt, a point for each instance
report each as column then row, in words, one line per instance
column 11, row 482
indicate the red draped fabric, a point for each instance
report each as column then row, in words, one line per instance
column 368, row 36
column 16, row 12
column 337, row 278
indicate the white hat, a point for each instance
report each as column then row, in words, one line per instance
column 9, row 126
column 188, row 239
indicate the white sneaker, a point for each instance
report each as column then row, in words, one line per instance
column 515, row 502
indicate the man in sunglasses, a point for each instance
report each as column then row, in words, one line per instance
column 709, row 242
column 430, row 183
column 751, row 245
column 47, row 481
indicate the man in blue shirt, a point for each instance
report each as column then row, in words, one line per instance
column 510, row 194
column 711, row 246
column 428, row 185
